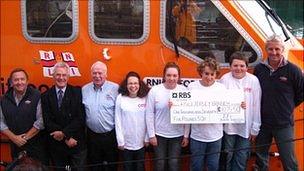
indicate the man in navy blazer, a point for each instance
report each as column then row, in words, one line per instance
column 64, row 120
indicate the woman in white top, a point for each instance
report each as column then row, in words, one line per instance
column 166, row 138
column 130, row 122
column 206, row 138
column 239, row 136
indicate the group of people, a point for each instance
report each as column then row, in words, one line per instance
column 89, row 125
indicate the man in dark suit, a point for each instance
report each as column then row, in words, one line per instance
column 64, row 119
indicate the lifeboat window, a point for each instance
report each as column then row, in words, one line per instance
column 199, row 29
column 49, row 20
column 118, row 21
column 292, row 13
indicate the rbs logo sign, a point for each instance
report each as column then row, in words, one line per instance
column 181, row 95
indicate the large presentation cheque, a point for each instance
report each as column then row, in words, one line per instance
column 201, row 106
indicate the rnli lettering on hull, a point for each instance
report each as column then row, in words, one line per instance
column 152, row 81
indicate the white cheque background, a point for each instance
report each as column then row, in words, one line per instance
column 201, row 106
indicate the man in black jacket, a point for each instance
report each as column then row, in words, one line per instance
column 282, row 91
column 64, row 120
column 21, row 118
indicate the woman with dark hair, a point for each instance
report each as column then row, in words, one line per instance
column 130, row 120
column 166, row 138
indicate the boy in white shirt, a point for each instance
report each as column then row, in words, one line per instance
column 239, row 136
column 206, row 138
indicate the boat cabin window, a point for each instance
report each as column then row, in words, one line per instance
column 199, row 29
column 291, row 13
column 118, row 21
column 267, row 23
column 49, row 20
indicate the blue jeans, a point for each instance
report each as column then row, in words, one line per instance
column 129, row 155
column 286, row 149
column 236, row 160
column 167, row 147
column 199, row 159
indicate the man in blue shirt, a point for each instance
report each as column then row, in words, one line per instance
column 99, row 98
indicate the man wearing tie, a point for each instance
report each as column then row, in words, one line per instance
column 64, row 119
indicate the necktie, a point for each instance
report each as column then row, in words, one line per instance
column 60, row 96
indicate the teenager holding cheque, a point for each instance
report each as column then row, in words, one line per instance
column 240, row 135
column 166, row 138
column 206, row 138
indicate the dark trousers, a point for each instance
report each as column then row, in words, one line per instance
column 35, row 149
column 63, row 158
column 129, row 155
column 284, row 139
column 102, row 150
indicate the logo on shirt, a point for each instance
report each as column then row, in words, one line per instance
column 108, row 97
column 247, row 89
column 142, row 105
column 282, row 78
column 27, row 102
